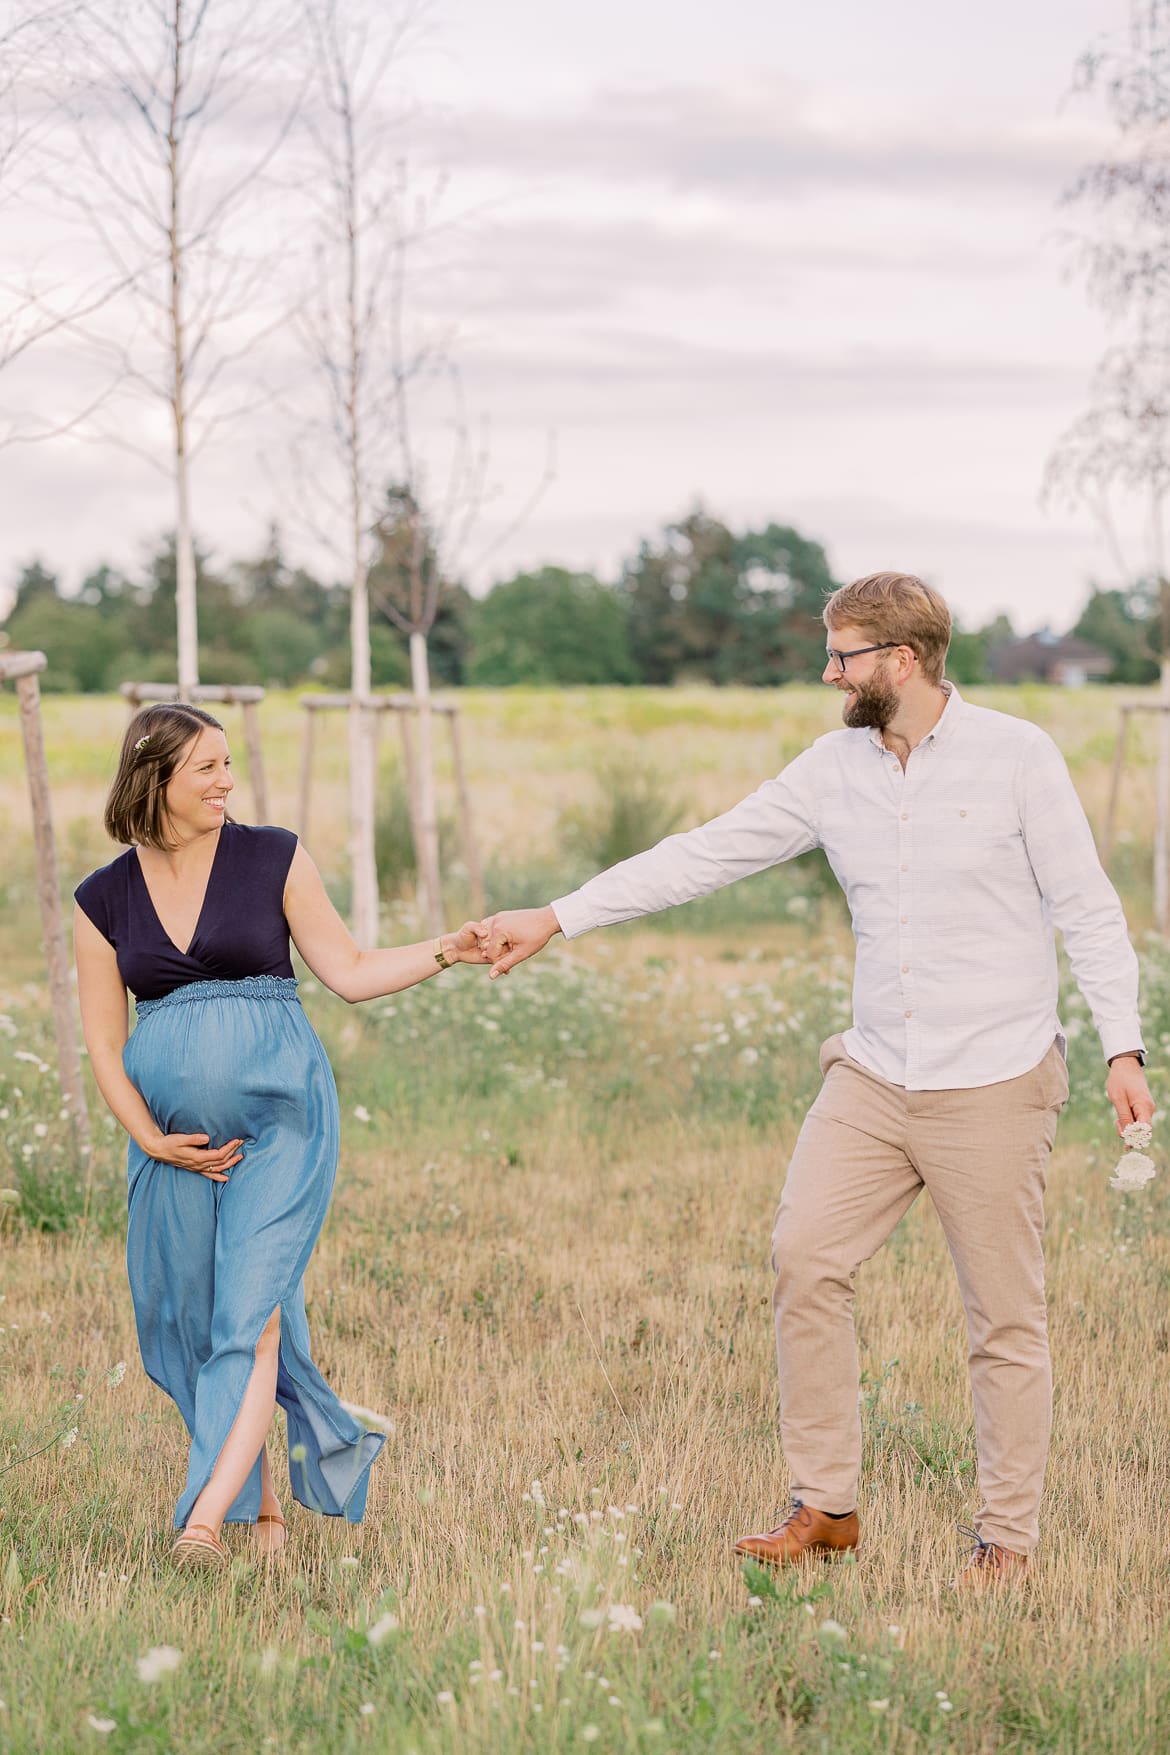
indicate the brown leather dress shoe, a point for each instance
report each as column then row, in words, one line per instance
column 805, row 1531
column 990, row 1567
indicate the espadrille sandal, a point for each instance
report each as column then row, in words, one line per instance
column 199, row 1546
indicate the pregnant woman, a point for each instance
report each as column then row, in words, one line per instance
column 229, row 1102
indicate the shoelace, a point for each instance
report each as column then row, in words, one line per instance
column 979, row 1553
column 795, row 1505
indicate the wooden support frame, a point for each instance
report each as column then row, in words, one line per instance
column 23, row 669
column 1128, row 709
column 404, row 707
column 248, row 696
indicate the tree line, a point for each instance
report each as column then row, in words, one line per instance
column 698, row 602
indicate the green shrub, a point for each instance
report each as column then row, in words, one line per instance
column 635, row 807
column 394, row 851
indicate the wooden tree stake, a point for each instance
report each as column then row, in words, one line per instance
column 22, row 668
column 466, row 824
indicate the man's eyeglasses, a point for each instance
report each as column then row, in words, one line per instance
column 842, row 658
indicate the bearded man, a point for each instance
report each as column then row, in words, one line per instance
column 959, row 841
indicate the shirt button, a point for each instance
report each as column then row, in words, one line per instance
column 903, row 868
column 904, row 918
column 907, row 1014
column 905, row 968
column 962, row 813
column 906, row 815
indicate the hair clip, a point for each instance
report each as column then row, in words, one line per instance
column 141, row 744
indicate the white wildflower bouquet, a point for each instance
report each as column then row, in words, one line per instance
column 1134, row 1169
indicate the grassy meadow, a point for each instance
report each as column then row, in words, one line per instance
column 546, row 1264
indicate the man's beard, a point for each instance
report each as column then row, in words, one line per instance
column 872, row 705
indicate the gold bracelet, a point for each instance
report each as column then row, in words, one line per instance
column 441, row 957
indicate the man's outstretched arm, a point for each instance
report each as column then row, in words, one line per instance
column 775, row 823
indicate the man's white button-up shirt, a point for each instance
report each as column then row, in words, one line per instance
column 956, row 870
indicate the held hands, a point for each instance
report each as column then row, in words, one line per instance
column 466, row 945
column 1127, row 1090
column 508, row 938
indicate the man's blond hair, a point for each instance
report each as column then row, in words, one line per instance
column 899, row 608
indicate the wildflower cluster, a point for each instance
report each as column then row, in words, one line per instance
column 1134, row 1169
column 558, row 1637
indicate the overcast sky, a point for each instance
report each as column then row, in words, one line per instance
column 800, row 263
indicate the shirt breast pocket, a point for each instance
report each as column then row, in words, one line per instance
column 970, row 837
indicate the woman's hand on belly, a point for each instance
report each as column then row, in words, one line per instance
column 191, row 1151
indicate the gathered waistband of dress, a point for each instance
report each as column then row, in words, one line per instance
column 250, row 987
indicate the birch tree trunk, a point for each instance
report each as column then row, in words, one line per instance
column 363, row 868
column 428, row 816
column 187, row 625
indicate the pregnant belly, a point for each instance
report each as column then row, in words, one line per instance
column 231, row 1075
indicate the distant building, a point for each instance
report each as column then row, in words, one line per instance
column 1048, row 658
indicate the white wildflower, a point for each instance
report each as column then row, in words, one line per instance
column 590, row 1734
column 361, row 1113
column 879, row 1705
column 9, row 1197
column 349, row 1560
column 1133, row 1170
column 1137, row 1135
column 40, row 1130
column 624, row 1618
column 832, row 1630
column 366, row 1708
column 69, row 1439
column 590, row 1617
column 536, row 1492
column 159, row 1661
column 103, row 1726
column 445, row 1697
column 382, row 1628
column 116, row 1373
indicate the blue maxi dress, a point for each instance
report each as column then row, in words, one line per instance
column 222, row 1046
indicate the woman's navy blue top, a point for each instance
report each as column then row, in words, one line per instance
column 241, row 929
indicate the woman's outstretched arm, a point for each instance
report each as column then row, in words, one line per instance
column 326, row 944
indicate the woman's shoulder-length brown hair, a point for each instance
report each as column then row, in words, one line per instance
column 152, row 750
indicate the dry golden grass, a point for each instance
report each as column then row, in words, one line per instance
column 569, row 1284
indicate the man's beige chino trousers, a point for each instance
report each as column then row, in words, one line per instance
column 863, row 1154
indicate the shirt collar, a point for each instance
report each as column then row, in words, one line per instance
column 943, row 728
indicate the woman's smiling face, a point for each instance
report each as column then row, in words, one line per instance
column 197, row 791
